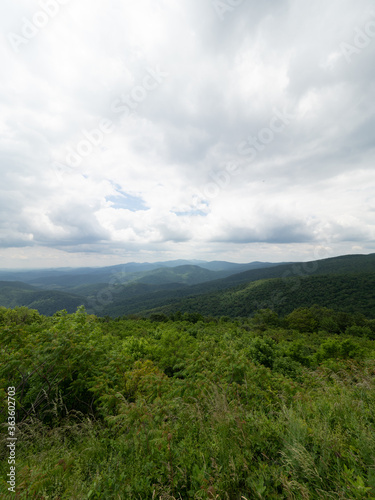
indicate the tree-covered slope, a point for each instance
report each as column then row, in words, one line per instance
column 171, row 287
column 203, row 294
column 188, row 275
column 335, row 265
column 347, row 292
column 14, row 294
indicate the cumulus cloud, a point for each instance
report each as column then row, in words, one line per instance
column 155, row 130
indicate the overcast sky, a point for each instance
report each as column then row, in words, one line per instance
column 204, row 129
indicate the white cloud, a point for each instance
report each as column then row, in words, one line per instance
column 168, row 142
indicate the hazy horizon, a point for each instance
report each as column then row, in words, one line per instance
column 196, row 261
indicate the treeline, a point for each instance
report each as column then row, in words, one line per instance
column 304, row 319
column 189, row 406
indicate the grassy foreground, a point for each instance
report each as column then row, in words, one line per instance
column 190, row 407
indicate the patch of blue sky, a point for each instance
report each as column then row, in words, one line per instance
column 127, row 201
column 190, row 213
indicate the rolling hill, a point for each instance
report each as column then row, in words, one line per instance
column 158, row 273
column 14, row 294
column 189, row 287
column 345, row 292
column 350, row 264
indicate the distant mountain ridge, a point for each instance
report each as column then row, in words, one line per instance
column 216, row 287
column 351, row 264
column 68, row 279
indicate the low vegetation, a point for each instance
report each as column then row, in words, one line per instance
column 185, row 406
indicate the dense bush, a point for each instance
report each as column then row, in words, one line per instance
column 190, row 407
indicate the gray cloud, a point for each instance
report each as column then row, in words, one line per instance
column 279, row 233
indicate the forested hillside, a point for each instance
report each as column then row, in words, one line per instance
column 190, row 407
column 224, row 296
column 346, row 264
column 14, row 294
column 346, row 282
column 346, row 292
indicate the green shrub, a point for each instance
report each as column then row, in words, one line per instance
column 287, row 366
column 360, row 331
column 333, row 348
column 303, row 319
column 262, row 351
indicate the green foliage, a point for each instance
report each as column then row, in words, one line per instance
column 190, row 407
column 303, row 320
column 300, row 352
column 14, row 294
column 348, row 293
column 288, row 367
column 18, row 316
column 266, row 318
column 333, row 348
column 360, row 331
column 263, row 351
